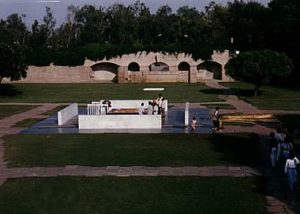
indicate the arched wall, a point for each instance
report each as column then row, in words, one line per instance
column 105, row 71
column 211, row 70
column 174, row 73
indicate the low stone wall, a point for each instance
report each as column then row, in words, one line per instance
column 119, row 122
column 67, row 114
column 58, row 74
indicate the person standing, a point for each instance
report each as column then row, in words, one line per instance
column 141, row 109
column 274, row 149
column 155, row 109
column 193, row 124
column 159, row 101
column 150, row 108
column 216, row 119
column 284, row 150
column 291, row 170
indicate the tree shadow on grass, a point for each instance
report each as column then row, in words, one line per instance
column 232, row 91
column 240, row 149
column 7, row 90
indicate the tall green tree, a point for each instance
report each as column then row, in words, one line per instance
column 13, row 30
column 284, row 33
column 90, row 24
column 247, row 24
column 12, row 62
column 123, row 24
column 259, row 67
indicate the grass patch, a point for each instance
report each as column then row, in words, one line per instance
column 132, row 195
column 221, row 106
column 83, row 93
column 271, row 98
column 131, row 150
column 9, row 110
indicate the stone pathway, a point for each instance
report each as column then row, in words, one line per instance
column 74, row 170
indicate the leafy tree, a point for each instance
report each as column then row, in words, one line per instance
column 90, row 25
column 259, row 67
column 13, row 30
column 284, row 32
column 247, row 23
column 122, row 24
column 12, row 63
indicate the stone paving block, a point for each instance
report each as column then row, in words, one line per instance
column 204, row 173
column 96, row 172
column 124, row 172
column 80, row 171
column 151, row 171
column 165, row 171
column 71, row 167
column 138, row 167
column 179, row 171
column 52, row 171
column 190, row 170
column 112, row 170
column 274, row 201
column 139, row 172
column 251, row 171
column 277, row 209
column 17, row 172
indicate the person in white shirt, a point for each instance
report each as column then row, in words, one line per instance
column 155, row 109
column 159, row 103
column 291, row 170
column 141, row 109
column 150, row 108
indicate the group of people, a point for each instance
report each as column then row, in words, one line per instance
column 156, row 106
column 283, row 154
column 215, row 119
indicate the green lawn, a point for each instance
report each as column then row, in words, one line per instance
column 132, row 195
column 270, row 98
column 83, row 93
column 131, row 150
column 8, row 110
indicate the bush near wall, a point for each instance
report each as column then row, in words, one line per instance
column 39, row 56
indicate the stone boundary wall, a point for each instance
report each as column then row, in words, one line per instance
column 88, row 73
column 57, row 74
column 67, row 114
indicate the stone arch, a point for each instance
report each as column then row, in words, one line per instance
column 184, row 66
column 105, row 71
column 159, row 66
column 213, row 69
column 133, row 66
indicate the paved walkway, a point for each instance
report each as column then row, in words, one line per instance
column 275, row 203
